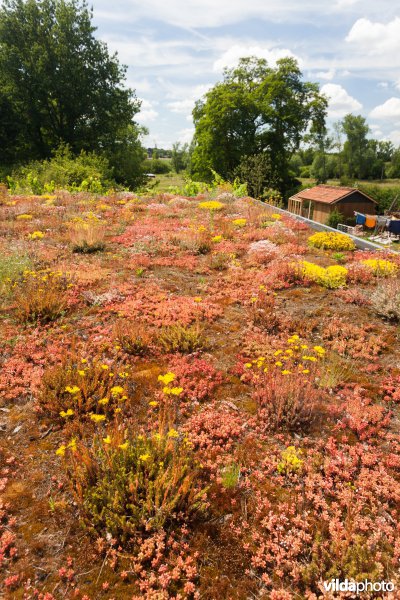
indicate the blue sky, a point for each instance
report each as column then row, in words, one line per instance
column 176, row 50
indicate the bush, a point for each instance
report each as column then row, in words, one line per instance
column 335, row 217
column 380, row 267
column 328, row 240
column 178, row 338
column 83, row 388
column 385, row 300
column 87, row 172
column 133, row 337
column 40, row 296
column 11, row 267
column 136, row 484
column 87, row 234
column 330, row 277
column 285, row 402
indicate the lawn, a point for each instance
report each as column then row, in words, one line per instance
column 199, row 399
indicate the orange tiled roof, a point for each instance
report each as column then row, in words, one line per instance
column 328, row 194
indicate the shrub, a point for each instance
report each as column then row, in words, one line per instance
column 219, row 261
column 86, row 172
column 83, row 388
column 290, row 461
column 285, row 402
column 230, row 476
column 11, row 267
column 380, row 267
column 334, row 218
column 133, row 337
column 178, row 338
column 40, row 296
column 330, row 277
column 385, row 300
column 329, row 240
column 87, row 234
column 136, row 484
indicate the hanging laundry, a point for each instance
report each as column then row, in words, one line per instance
column 360, row 219
column 382, row 221
column 370, row 221
column 394, row 226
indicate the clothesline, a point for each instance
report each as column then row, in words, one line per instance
column 372, row 221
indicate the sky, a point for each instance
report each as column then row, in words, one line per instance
column 176, row 50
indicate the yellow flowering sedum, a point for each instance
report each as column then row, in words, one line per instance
column 332, row 277
column 211, row 205
column 330, row 240
column 380, row 267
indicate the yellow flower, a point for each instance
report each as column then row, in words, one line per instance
column 107, row 440
column 83, row 360
column 239, row 222
column 197, row 299
column 117, row 411
column 211, row 205
column 72, row 445
column 285, row 372
column 172, row 433
column 305, row 371
column 105, row 367
column 72, row 390
column 36, row 235
column 144, row 457
column 104, row 401
column 116, row 390
column 97, row 418
column 81, row 373
column 279, row 364
column 167, row 378
column 61, row 450
column 278, row 352
column 216, row 239
column 248, row 365
column 123, row 446
column 175, row 391
column 67, row 413
column 319, row 349
column 153, row 403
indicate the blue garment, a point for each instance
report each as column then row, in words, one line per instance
column 360, row 219
column 394, row 226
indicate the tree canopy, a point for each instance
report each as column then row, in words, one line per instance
column 255, row 109
column 59, row 84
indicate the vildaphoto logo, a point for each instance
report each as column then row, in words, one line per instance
column 348, row 585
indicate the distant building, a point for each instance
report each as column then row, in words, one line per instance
column 318, row 202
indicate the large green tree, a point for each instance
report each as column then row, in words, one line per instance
column 60, row 83
column 355, row 148
column 255, row 109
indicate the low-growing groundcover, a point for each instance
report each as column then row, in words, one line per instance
column 199, row 399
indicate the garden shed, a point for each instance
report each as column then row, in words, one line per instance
column 318, row 202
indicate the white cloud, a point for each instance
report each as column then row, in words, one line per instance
column 397, row 85
column 327, row 75
column 147, row 113
column 340, row 101
column 185, row 135
column 388, row 110
column 230, row 57
column 183, row 100
column 376, row 39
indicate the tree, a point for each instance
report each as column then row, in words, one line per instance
column 258, row 172
column 355, row 147
column 255, row 109
column 180, row 156
column 62, row 82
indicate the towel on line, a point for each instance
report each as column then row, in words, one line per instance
column 360, row 219
column 394, row 226
column 370, row 221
